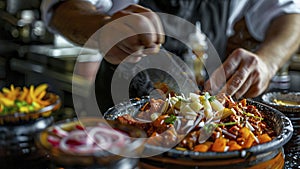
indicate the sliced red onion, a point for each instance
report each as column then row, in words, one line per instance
column 79, row 127
column 59, row 132
column 77, row 135
column 54, row 141
column 88, row 140
column 101, row 134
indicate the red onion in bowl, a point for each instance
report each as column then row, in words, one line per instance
column 90, row 141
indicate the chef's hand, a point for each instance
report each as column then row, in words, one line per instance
column 131, row 31
column 246, row 75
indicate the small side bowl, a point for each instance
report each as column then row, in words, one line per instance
column 20, row 118
column 269, row 98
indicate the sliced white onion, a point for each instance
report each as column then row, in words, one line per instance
column 194, row 97
column 229, row 134
column 256, row 139
column 226, row 148
column 217, row 106
column 249, row 126
column 196, row 106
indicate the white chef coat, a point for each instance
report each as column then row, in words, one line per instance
column 258, row 13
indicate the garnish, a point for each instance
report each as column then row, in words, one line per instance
column 171, row 119
column 212, row 98
column 206, row 95
column 252, row 115
column 227, row 124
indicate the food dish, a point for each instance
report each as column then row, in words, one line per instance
column 278, row 122
column 71, row 143
column 22, row 105
column 284, row 102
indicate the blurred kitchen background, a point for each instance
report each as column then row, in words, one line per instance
column 29, row 54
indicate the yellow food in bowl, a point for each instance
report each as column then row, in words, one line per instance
column 286, row 102
column 23, row 100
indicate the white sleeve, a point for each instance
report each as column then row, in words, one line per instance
column 260, row 15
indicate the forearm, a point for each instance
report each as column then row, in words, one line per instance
column 77, row 20
column 282, row 40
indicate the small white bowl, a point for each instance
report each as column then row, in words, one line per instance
column 273, row 99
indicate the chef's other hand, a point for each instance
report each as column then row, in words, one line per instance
column 142, row 30
column 247, row 75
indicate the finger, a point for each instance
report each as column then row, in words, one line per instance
column 152, row 17
column 131, row 45
column 232, row 63
column 245, row 87
column 218, row 79
column 257, row 88
column 142, row 27
column 236, row 81
column 115, row 33
column 115, row 55
column 153, row 49
column 136, row 21
column 253, row 91
column 129, row 51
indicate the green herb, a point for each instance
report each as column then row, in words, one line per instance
column 171, row 119
column 252, row 115
column 227, row 124
column 212, row 98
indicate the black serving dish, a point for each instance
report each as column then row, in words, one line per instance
column 258, row 154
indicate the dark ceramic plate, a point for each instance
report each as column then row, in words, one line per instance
column 282, row 125
column 293, row 97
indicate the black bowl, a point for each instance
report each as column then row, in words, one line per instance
column 277, row 120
